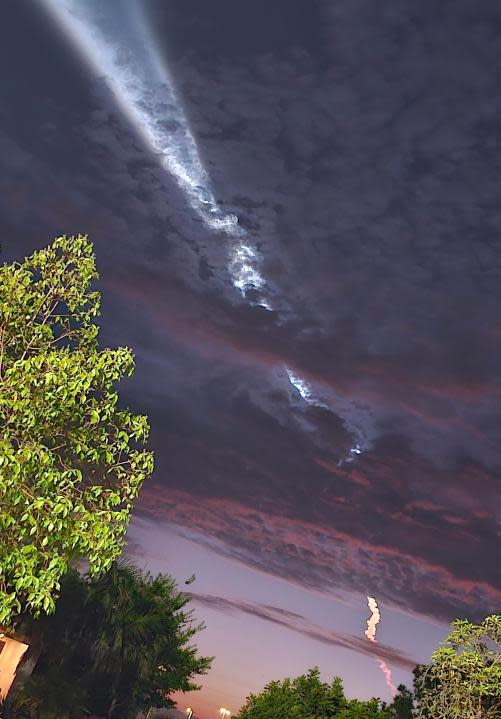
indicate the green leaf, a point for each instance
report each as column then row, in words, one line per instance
column 64, row 427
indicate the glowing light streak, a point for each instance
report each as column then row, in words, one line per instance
column 147, row 100
column 353, row 453
column 303, row 389
column 343, row 409
column 387, row 675
column 373, row 620
column 370, row 633
column 123, row 55
column 301, row 386
column 242, row 267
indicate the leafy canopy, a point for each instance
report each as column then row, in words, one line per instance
column 116, row 644
column 71, row 461
column 463, row 680
column 307, row 697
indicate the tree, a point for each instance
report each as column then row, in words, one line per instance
column 71, row 461
column 116, row 644
column 463, row 680
column 424, row 685
column 402, row 706
column 307, row 697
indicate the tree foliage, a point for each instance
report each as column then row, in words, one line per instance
column 71, row 461
column 307, row 697
column 402, row 706
column 463, row 680
column 116, row 644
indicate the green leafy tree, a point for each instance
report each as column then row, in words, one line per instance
column 424, row 684
column 463, row 680
column 71, row 460
column 307, row 697
column 402, row 706
column 372, row 709
column 115, row 645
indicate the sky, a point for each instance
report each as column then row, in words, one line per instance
column 295, row 211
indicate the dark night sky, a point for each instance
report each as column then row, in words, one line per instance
column 359, row 144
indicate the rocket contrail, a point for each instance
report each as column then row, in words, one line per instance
column 370, row 633
column 342, row 409
column 387, row 675
column 123, row 55
column 373, row 620
column 118, row 47
column 144, row 92
column 304, row 389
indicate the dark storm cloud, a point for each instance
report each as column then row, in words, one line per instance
column 233, row 31
column 301, row 625
column 367, row 173
column 372, row 190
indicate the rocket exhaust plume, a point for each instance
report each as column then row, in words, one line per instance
column 387, row 675
column 373, row 620
column 370, row 633
column 124, row 56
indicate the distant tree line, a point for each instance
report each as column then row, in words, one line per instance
column 462, row 681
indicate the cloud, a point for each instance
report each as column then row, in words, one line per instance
column 401, row 567
column 371, row 395
column 298, row 623
column 366, row 173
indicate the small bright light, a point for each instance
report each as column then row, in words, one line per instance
column 264, row 303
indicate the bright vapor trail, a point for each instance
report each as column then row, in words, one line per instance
column 300, row 385
column 147, row 99
column 122, row 53
column 118, row 47
column 370, row 633
column 304, row 389
column 306, row 393
column 387, row 675
column 373, row 620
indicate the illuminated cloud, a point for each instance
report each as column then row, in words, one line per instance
column 373, row 620
column 304, row 389
column 244, row 272
column 306, row 393
column 123, row 55
column 405, row 571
